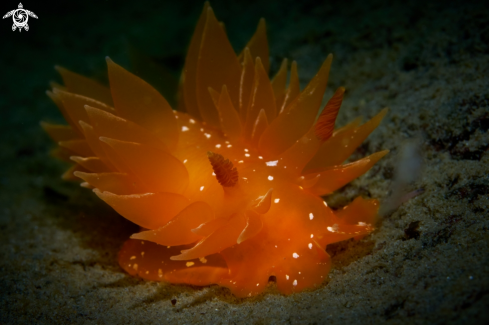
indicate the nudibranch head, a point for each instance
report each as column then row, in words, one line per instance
column 227, row 190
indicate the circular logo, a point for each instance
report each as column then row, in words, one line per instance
column 20, row 17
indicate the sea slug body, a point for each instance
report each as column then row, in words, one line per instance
column 226, row 189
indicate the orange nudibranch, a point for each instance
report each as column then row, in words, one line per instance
column 227, row 190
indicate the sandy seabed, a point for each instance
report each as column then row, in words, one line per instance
column 427, row 261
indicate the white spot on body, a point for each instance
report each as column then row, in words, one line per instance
column 270, row 178
column 294, row 283
column 218, row 146
column 276, row 200
column 184, row 128
column 333, row 229
column 271, row 163
column 207, row 135
column 192, row 121
column 295, row 255
column 201, row 188
column 286, row 276
column 247, row 154
column 310, row 245
column 311, row 216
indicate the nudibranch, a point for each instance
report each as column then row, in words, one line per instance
column 226, row 189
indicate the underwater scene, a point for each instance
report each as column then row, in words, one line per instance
column 315, row 162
